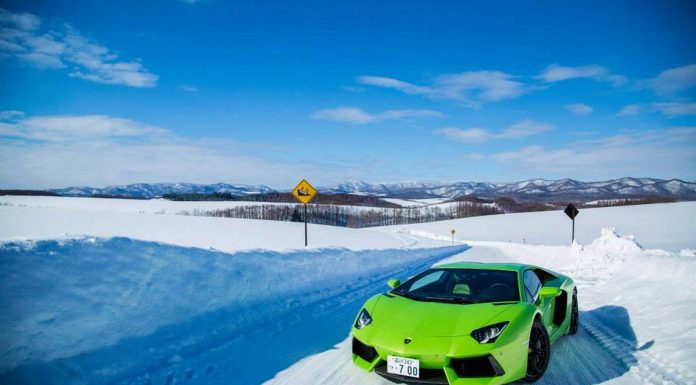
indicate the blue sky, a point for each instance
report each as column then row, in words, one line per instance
column 99, row 93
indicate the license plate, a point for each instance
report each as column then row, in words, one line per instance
column 409, row 367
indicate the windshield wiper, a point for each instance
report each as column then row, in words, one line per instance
column 448, row 299
column 402, row 294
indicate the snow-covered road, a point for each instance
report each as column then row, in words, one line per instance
column 632, row 333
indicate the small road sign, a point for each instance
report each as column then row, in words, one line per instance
column 453, row 231
column 304, row 192
column 571, row 211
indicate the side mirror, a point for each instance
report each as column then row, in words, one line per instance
column 549, row 292
column 393, row 283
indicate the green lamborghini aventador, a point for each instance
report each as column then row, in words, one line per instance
column 466, row 323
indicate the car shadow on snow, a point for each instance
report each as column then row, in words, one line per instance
column 603, row 349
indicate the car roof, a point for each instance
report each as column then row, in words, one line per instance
column 519, row 267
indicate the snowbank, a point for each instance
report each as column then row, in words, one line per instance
column 76, row 297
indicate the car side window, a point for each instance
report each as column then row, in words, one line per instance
column 426, row 280
column 532, row 286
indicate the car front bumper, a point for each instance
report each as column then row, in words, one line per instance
column 444, row 360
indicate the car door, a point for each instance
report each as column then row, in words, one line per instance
column 532, row 287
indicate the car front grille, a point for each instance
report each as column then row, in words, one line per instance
column 367, row 353
column 484, row 366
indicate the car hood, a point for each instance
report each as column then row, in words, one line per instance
column 432, row 319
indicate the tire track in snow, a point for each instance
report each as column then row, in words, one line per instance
column 646, row 368
column 405, row 238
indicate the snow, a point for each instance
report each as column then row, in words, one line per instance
column 415, row 202
column 226, row 234
column 122, row 295
column 61, row 299
column 668, row 226
column 637, row 312
column 142, row 206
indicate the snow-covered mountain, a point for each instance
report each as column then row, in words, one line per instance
column 540, row 188
column 152, row 190
column 528, row 189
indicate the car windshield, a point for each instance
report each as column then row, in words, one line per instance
column 461, row 286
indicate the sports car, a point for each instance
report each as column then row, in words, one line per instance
column 466, row 323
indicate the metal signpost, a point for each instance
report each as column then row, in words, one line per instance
column 571, row 211
column 304, row 192
column 453, row 231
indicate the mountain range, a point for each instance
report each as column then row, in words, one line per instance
column 528, row 189
column 155, row 190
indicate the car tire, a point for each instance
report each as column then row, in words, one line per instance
column 539, row 353
column 574, row 315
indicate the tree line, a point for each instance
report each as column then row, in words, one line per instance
column 354, row 217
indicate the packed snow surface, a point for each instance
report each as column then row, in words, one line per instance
column 637, row 311
column 125, row 296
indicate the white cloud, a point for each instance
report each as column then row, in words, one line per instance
column 41, row 60
column 405, row 87
column 356, row 115
column 526, row 128
column 579, row 108
column 669, row 109
column 674, row 80
column 21, row 37
column 556, row 73
column 675, row 109
column 469, row 135
column 55, row 151
column 669, row 151
column 9, row 115
column 22, row 21
column 472, row 87
column 188, row 88
column 67, row 128
column 479, row 85
column 479, row 135
column 629, row 110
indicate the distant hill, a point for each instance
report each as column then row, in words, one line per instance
column 155, row 190
column 534, row 189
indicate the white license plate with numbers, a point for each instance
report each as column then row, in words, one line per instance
column 403, row 366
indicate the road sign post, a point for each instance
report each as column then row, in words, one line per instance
column 304, row 193
column 571, row 211
column 453, row 231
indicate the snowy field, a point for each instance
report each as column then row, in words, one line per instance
column 668, row 226
column 129, row 296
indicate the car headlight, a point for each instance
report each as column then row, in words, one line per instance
column 363, row 320
column 490, row 333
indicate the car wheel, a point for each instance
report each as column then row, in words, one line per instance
column 574, row 315
column 539, row 352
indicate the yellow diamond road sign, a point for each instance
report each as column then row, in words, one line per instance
column 453, row 231
column 304, row 192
